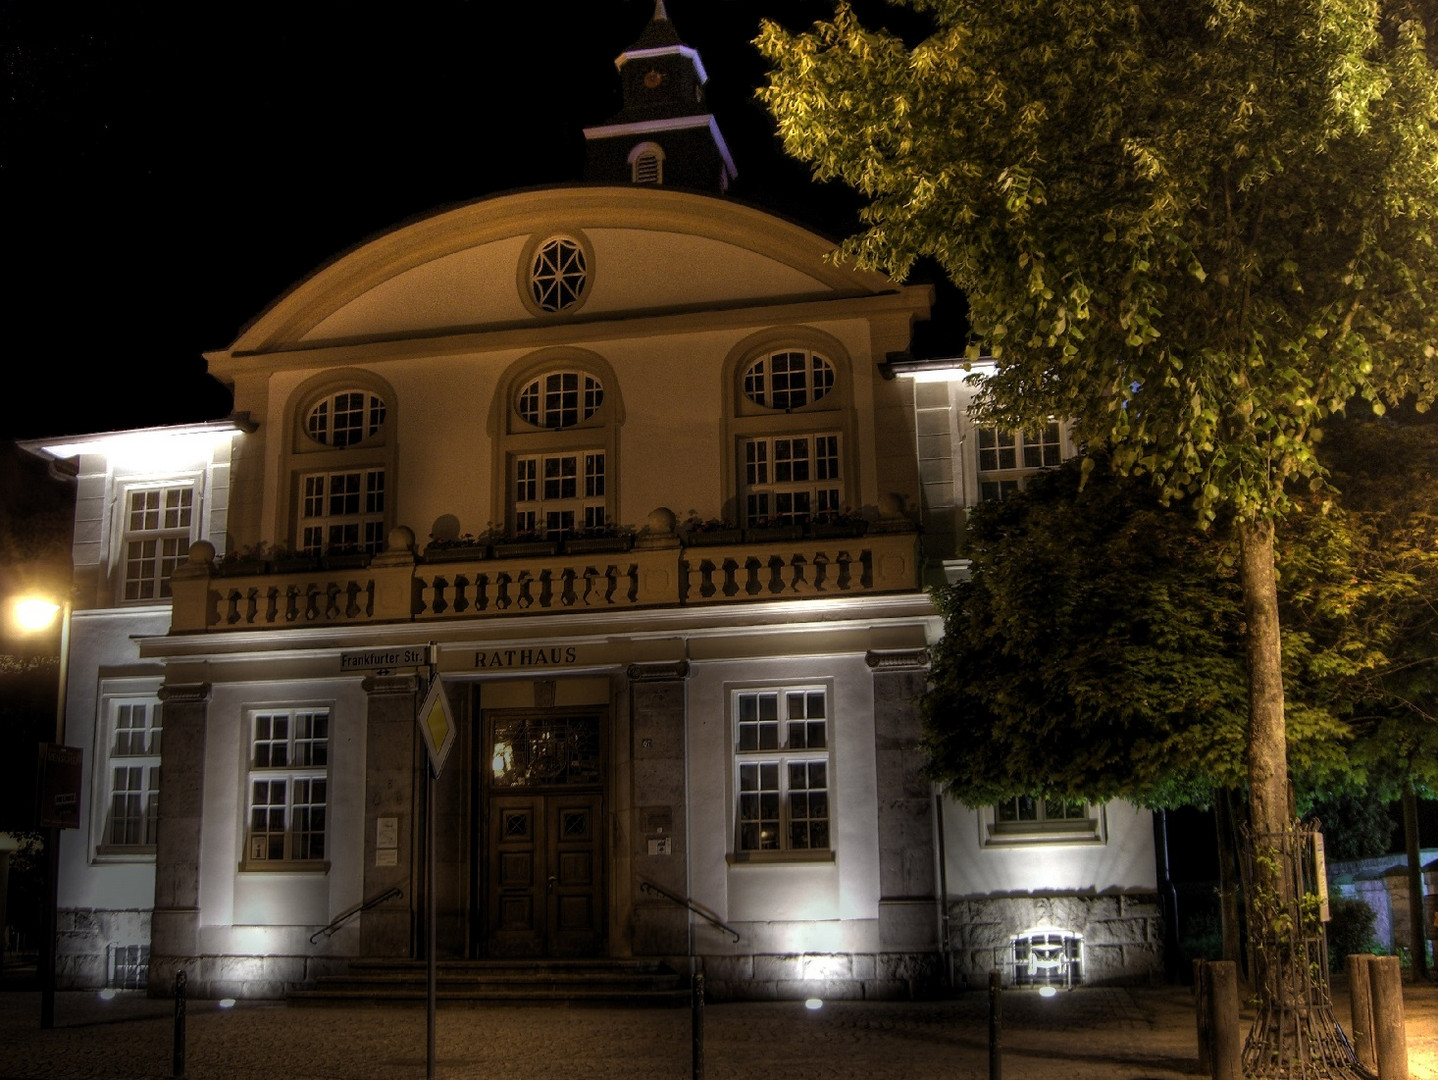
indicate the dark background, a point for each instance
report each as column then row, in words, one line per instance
column 166, row 174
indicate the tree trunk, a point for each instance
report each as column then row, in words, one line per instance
column 1267, row 745
column 1226, row 831
column 1415, row 883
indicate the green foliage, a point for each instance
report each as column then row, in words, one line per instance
column 1355, row 825
column 1096, row 649
column 1350, row 930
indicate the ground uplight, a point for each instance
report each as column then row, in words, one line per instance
column 814, row 1003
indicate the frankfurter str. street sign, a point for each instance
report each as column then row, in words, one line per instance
column 404, row 656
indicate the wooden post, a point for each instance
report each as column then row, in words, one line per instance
column 1227, row 1063
column 1203, row 1010
column 1360, row 1000
column 996, row 1026
column 1385, row 977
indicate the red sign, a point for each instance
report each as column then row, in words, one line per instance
column 59, row 786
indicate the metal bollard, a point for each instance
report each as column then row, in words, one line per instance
column 696, row 1018
column 996, row 1026
column 177, row 1063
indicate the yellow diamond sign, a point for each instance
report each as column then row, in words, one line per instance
column 436, row 725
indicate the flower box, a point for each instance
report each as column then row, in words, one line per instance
column 519, row 549
column 834, row 529
column 294, row 564
column 456, row 552
column 241, row 567
column 712, row 537
column 348, row 560
column 772, row 534
column 583, row 545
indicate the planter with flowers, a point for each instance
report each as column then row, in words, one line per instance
column 709, row 532
column 837, row 523
column 463, row 548
column 600, row 538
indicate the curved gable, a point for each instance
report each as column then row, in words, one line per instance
column 467, row 270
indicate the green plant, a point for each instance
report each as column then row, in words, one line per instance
column 1350, row 930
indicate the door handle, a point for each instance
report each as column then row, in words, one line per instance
column 552, row 882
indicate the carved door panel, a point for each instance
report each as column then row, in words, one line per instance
column 517, row 875
column 576, row 878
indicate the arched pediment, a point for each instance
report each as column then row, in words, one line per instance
column 468, row 270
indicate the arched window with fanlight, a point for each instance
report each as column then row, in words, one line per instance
column 341, row 456
column 791, row 422
column 558, row 431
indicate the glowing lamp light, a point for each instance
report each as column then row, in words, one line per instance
column 226, row 1003
column 814, row 1004
column 33, row 613
column 1047, row 991
column 108, row 994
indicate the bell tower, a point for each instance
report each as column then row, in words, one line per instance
column 664, row 134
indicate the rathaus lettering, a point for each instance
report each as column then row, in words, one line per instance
column 525, row 657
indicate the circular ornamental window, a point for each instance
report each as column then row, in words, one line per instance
column 558, row 274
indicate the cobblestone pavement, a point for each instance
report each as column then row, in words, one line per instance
column 1088, row 1034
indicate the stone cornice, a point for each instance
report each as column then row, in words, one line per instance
column 668, row 672
column 185, row 693
column 897, row 659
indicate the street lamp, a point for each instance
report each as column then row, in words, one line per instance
column 34, row 615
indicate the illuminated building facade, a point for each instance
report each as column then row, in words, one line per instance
column 631, row 466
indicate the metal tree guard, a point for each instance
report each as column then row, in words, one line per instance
column 1295, row 1035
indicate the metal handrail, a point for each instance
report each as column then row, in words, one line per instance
column 684, row 901
column 393, row 892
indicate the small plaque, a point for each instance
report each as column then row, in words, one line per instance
column 659, row 845
column 386, row 857
column 386, row 832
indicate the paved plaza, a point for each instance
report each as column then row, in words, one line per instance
column 1085, row 1034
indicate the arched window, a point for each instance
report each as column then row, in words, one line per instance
column 788, row 379
column 558, row 434
column 646, row 164
column 341, row 464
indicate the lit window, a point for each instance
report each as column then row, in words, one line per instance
column 289, row 760
column 558, row 274
column 781, row 763
column 157, row 538
column 1008, row 458
column 788, row 380
column 1048, row 958
column 345, row 418
column 342, row 511
column 557, row 494
column 1034, row 819
column 789, row 479
column 133, row 775
column 560, row 399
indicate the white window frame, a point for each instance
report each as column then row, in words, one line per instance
column 149, row 552
column 557, row 493
column 807, row 377
column 998, row 829
column 766, row 752
column 1007, row 459
column 134, row 748
column 365, row 412
column 777, row 491
column 274, row 758
column 325, row 526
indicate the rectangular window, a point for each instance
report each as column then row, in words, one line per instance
column 157, row 538
column 132, row 773
column 288, row 786
column 1007, row 458
column 559, row 494
column 781, row 770
column 789, row 479
column 342, row 511
column 1035, row 819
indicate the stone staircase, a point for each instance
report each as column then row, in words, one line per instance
column 509, row 982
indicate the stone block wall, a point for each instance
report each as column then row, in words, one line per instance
column 85, row 937
column 832, row 976
column 1122, row 934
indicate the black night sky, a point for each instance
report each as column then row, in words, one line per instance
column 164, row 177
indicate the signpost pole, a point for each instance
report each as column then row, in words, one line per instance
column 430, row 908
column 436, row 727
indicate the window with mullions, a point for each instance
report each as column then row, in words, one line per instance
column 789, row 479
column 1035, row 819
column 342, row 511
column 781, row 763
column 560, row 399
column 1007, row 458
column 133, row 774
column 157, row 538
column 558, row 494
column 345, row 418
column 788, row 380
column 289, row 786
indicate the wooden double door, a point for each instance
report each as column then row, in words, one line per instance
column 545, row 855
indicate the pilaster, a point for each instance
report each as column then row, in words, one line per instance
column 392, row 781
column 659, row 799
column 175, row 923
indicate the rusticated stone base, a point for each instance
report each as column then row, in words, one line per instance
column 85, row 939
column 240, row 977
column 1122, row 934
column 834, row 976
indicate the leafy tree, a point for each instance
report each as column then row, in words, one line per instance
column 1196, row 229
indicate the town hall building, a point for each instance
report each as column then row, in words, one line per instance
column 652, row 487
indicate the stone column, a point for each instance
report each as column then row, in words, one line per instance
column 660, row 807
column 908, row 912
column 175, row 922
column 393, row 784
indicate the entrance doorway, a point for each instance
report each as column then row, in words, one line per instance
column 544, row 840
